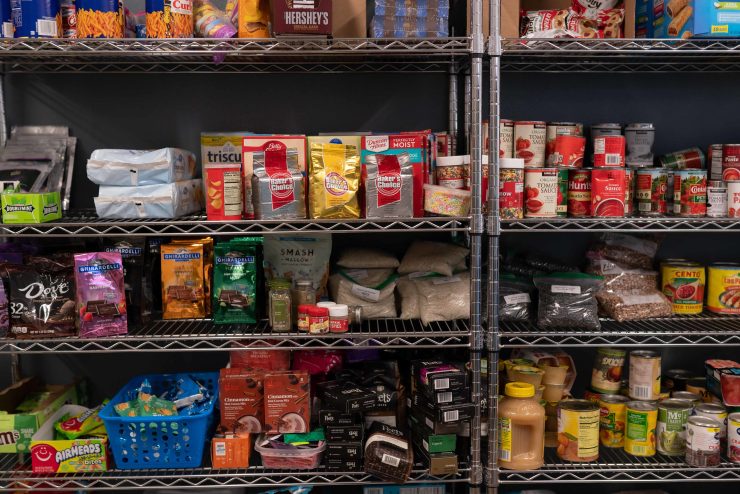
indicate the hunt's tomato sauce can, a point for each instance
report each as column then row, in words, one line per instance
column 579, row 192
column 730, row 162
column 690, row 193
column 529, row 142
column 541, row 191
column 609, row 151
column 608, row 192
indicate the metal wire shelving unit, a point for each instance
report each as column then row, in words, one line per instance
column 635, row 225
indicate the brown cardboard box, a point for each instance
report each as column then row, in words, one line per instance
column 510, row 10
column 349, row 19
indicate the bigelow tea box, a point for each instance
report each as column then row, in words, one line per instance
column 21, row 207
column 301, row 17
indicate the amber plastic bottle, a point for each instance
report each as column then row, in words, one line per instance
column 521, row 428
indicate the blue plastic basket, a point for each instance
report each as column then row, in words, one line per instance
column 159, row 442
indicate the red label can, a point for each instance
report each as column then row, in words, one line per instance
column 730, row 162
column 568, row 151
column 529, row 142
column 609, row 151
column 579, row 192
column 541, row 192
column 652, row 185
column 608, row 191
column 690, row 193
column 629, row 198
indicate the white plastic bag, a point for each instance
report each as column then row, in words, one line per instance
column 436, row 257
column 131, row 167
column 371, row 289
column 444, row 298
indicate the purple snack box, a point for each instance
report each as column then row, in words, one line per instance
column 101, row 295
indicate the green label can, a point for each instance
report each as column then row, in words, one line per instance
column 673, row 414
column 642, row 418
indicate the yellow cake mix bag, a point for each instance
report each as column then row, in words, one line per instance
column 334, row 181
column 183, row 284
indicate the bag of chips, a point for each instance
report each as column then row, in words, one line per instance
column 334, row 181
column 389, row 186
column 183, row 285
column 101, row 296
column 278, row 186
column 235, row 281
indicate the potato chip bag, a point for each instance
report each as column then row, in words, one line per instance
column 334, row 181
column 101, row 294
column 235, row 281
column 183, row 285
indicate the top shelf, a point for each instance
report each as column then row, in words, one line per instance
column 620, row 55
column 233, row 55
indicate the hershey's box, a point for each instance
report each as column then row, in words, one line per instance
column 301, row 17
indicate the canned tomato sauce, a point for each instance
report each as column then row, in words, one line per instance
column 579, row 192
column 606, row 129
column 567, row 151
column 612, row 421
column 644, row 377
column 714, row 158
column 640, row 139
column 606, row 375
column 670, row 430
column 733, row 437
column 608, row 192
column 555, row 129
column 716, row 199
column 629, row 198
column 690, row 193
column 506, row 138
column 609, row 151
column 686, row 159
column 683, row 284
column 730, row 162
column 702, row 442
column 578, row 430
column 541, row 189
column 652, row 185
column 733, row 199
column 511, row 188
column 640, row 428
column 529, row 142
column 723, row 292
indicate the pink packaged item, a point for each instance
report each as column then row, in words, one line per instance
column 101, row 297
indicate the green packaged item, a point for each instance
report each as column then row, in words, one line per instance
column 315, row 435
column 31, row 207
column 33, row 401
column 72, row 427
column 236, row 280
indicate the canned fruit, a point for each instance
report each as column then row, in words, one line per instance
column 671, row 427
column 644, row 376
column 542, row 192
column 683, row 284
column 730, row 162
column 606, row 375
column 713, row 411
column 652, row 186
column 608, row 187
column 702, row 442
column 579, row 192
column 690, row 193
column 641, row 422
column 578, row 430
column 733, row 437
column 723, row 288
column 612, row 421
column 609, row 151
column 529, row 142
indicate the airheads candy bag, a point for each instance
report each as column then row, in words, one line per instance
column 389, row 186
column 235, row 281
column 101, row 294
column 334, row 181
column 183, row 287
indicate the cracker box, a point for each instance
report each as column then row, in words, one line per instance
column 225, row 148
column 17, row 429
column 21, row 207
column 301, row 17
column 67, row 456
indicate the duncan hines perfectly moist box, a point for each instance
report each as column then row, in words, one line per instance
column 301, row 17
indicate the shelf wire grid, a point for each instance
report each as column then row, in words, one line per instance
column 203, row 335
column 648, row 225
column 614, row 465
column 15, row 475
column 699, row 330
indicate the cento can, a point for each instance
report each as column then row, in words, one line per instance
column 555, row 129
column 676, row 379
column 702, row 442
column 683, row 284
column 644, row 377
column 714, row 158
column 529, row 142
column 733, row 437
column 613, row 415
column 723, row 288
column 506, row 138
column 670, row 431
column 730, row 162
column 629, row 198
column 640, row 139
column 640, row 428
column 690, row 193
column 578, row 430
column 606, row 375
column 541, row 189
column 608, row 192
column 579, row 192
column 716, row 199
column 733, row 198
column 652, row 185
column 714, row 411
column 686, row 159
column 567, row 151
column 609, row 151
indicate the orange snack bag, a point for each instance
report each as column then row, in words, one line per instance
column 254, row 19
column 169, row 19
column 183, row 285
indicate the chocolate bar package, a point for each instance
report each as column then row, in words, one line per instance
column 101, row 294
column 441, row 413
column 42, row 297
column 351, row 451
column 236, row 281
column 154, row 270
column 418, row 418
column 442, row 377
column 344, row 465
column 337, row 418
column 136, row 276
column 346, row 396
column 346, row 433
column 302, row 17
column 183, row 286
column 388, row 453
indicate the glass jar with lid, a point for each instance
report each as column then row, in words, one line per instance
column 279, row 306
column 302, row 294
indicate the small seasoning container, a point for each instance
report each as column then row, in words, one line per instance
column 338, row 318
column 355, row 315
column 302, row 319
column 318, row 320
column 303, row 294
column 280, row 311
column 326, row 305
column 451, row 172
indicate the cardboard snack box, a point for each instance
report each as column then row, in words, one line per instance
column 19, row 207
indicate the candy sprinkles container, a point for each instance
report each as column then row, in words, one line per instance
column 444, row 201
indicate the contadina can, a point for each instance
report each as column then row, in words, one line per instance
column 702, row 442
column 613, row 417
column 716, row 199
column 642, row 419
column 690, row 193
column 652, row 186
column 606, row 375
column 644, row 378
column 671, row 428
column 714, row 411
column 578, row 430
column 733, row 437
column 683, row 284
column 723, row 293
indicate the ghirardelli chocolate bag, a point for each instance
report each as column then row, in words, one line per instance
column 389, row 187
column 133, row 252
column 101, row 296
column 42, row 297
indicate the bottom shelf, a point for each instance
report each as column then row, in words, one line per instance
column 617, row 466
column 15, row 475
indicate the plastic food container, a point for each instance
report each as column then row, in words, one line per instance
column 300, row 459
column 445, row 201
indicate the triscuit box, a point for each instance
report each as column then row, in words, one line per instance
column 16, row 429
column 21, row 207
column 67, row 455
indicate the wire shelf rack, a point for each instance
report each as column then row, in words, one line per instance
column 233, row 55
column 18, row 476
column 701, row 330
column 85, row 224
column 662, row 224
column 614, row 465
column 203, row 335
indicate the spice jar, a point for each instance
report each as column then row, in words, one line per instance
column 280, row 311
column 451, row 172
column 355, row 315
column 318, row 320
column 326, row 305
column 338, row 318
column 302, row 317
column 303, row 294
column 511, row 188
